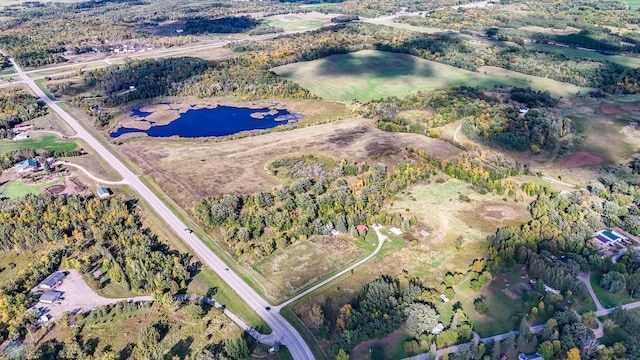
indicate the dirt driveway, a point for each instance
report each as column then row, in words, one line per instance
column 78, row 296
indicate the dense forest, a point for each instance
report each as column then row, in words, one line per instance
column 107, row 233
column 17, row 106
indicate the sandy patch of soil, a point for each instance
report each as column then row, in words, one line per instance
column 579, row 159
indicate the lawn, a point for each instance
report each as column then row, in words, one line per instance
column 372, row 74
column 48, row 142
column 606, row 298
column 17, row 189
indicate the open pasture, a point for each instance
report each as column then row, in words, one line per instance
column 372, row 74
column 191, row 169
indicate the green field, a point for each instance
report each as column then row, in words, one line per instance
column 626, row 61
column 48, row 142
column 17, row 189
column 372, row 74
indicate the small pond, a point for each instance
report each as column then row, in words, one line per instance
column 218, row 121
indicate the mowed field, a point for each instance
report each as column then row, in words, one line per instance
column 372, row 74
column 191, row 169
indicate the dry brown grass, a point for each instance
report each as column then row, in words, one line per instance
column 191, row 169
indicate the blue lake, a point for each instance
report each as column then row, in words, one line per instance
column 219, row 121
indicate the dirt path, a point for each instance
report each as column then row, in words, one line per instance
column 66, row 163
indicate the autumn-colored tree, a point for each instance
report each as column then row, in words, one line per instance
column 573, row 354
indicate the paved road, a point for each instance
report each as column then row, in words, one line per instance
column 584, row 277
column 283, row 332
column 381, row 239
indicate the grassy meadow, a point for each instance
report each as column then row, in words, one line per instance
column 440, row 210
column 372, row 74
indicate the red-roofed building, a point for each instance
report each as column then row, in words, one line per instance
column 362, row 229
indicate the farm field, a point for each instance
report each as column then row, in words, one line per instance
column 38, row 142
column 372, row 74
column 633, row 4
column 605, row 134
column 191, row 169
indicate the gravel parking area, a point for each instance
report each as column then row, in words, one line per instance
column 78, row 296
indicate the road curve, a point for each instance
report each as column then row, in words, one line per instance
column 95, row 178
column 283, row 332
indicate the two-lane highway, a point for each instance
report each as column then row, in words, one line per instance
column 283, row 332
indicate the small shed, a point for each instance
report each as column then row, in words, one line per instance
column 362, row 229
column 396, row 231
column 51, row 296
column 103, row 192
column 21, row 136
column 53, row 280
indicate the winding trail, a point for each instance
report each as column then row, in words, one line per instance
column 381, row 239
